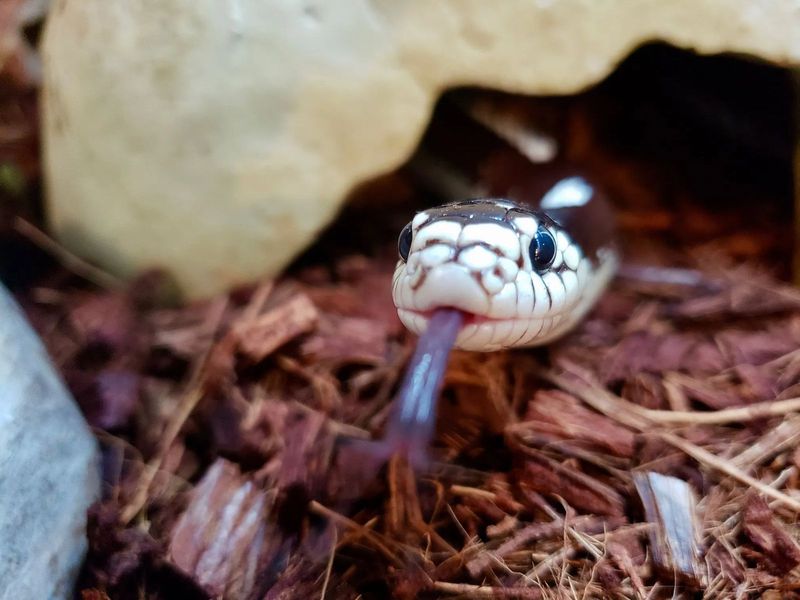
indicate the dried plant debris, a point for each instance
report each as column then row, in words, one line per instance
column 230, row 429
column 778, row 547
column 230, row 433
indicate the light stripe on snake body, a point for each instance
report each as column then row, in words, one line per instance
column 521, row 275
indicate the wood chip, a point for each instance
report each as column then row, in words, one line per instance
column 559, row 413
column 220, row 537
column 242, row 405
column 258, row 338
column 670, row 504
column 780, row 549
column 578, row 489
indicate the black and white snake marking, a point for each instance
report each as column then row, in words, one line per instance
column 522, row 276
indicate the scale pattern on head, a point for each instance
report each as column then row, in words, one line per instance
column 515, row 271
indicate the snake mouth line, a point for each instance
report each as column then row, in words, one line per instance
column 469, row 317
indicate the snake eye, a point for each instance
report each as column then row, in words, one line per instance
column 542, row 250
column 404, row 242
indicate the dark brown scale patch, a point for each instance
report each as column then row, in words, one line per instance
column 487, row 210
column 434, row 242
column 479, row 210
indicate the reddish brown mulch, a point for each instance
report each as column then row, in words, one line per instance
column 227, row 427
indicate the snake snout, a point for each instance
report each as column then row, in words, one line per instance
column 451, row 285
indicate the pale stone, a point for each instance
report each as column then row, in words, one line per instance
column 49, row 469
column 216, row 137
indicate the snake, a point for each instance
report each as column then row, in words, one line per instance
column 522, row 275
column 519, row 264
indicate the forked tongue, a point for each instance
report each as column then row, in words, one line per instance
column 412, row 424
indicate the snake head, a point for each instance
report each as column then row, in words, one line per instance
column 517, row 275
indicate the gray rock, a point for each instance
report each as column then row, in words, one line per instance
column 48, row 468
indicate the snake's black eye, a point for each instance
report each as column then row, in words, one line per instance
column 542, row 250
column 404, row 242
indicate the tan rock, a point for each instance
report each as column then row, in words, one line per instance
column 217, row 138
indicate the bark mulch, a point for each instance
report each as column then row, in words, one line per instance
column 652, row 453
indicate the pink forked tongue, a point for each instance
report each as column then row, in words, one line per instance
column 412, row 423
